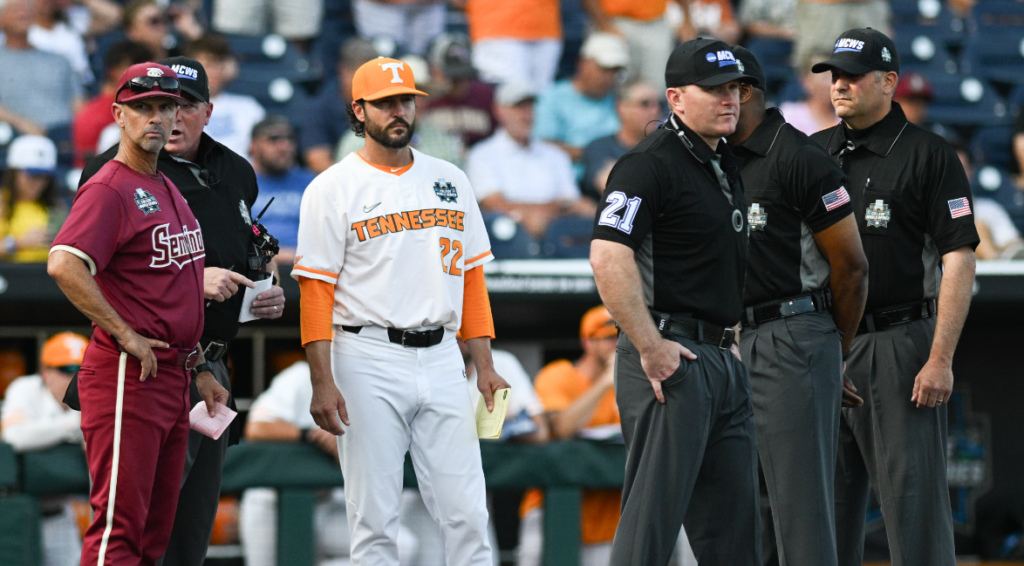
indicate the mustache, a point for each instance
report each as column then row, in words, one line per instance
column 159, row 129
column 399, row 121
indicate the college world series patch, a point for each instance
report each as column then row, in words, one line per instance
column 445, row 191
column 146, row 202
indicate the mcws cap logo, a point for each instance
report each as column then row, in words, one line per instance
column 846, row 44
column 184, row 72
column 723, row 57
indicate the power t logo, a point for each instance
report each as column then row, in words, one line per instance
column 178, row 249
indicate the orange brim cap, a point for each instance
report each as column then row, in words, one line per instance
column 382, row 77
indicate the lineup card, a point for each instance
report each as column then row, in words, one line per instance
column 489, row 423
column 200, row 420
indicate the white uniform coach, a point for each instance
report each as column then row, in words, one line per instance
column 391, row 244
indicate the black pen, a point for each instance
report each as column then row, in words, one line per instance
column 211, row 300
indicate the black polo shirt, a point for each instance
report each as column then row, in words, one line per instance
column 912, row 201
column 793, row 190
column 220, row 188
column 665, row 201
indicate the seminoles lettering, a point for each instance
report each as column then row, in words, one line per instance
column 412, row 220
column 178, row 249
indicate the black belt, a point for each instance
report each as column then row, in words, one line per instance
column 722, row 336
column 891, row 316
column 817, row 301
column 410, row 338
column 213, row 350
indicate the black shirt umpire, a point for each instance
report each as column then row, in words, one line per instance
column 804, row 296
column 669, row 254
column 220, row 187
column 914, row 213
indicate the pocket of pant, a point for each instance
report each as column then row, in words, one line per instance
column 685, row 369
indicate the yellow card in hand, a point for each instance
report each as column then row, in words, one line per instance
column 488, row 423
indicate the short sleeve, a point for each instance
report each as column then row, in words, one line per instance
column 96, row 228
column 947, row 194
column 631, row 200
column 816, row 187
column 482, row 174
column 478, row 245
column 547, row 122
column 564, row 175
column 320, row 251
column 552, row 386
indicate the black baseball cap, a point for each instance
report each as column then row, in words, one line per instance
column 191, row 77
column 750, row 66
column 860, row 51
column 703, row 62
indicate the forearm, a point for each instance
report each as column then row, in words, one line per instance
column 105, row 16
column 318, row 354
column 280, row 431
column 566, row 422
column 480, row 350
column 618, row 283
column 954, row 302
column 19, row 122
column 40, row 434
column 74, row 279
column 849, row 286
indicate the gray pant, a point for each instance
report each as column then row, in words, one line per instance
column 200, row 490
column 795, row 374
column 691, row 461
column 898, row 449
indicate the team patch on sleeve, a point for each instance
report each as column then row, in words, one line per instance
column 836, row 198
column 959, row 207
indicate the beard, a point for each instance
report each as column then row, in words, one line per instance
column 381, row 135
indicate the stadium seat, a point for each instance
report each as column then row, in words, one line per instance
column 508, row 239
column 996, row 54
column 921, row 49
column 991, row 146
column 568, row 238
column 271, row 56
column 965, row 101
column 1008, row 196
column 998, row 14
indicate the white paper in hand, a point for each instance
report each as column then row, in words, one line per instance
column 250, row 296
column 214, row 426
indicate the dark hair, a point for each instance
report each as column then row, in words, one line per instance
column 126, row 53
column 358, row 126
column 50, row 197
column 212, row 44
column 132, row 9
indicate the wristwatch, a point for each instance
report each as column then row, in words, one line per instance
column 205, row 366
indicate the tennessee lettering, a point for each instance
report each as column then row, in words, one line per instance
column 411, row 220
column 178, row 249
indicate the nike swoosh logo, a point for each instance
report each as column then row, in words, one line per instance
column 393, row 170
column 369, row 208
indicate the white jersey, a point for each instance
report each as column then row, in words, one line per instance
column 395, row 247
column 287, row 399
column 31, row 419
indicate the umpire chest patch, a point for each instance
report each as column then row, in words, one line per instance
column 878, row 215
column 757, row 218
column 146, row 202
column 445, row 191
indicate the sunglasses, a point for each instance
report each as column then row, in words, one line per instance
column 70, row 369
column 139, row 85
column 646, row 103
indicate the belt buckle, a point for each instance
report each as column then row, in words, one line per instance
column 728, row 335
column 189, row 358
column 208, row 351
column 404, row 334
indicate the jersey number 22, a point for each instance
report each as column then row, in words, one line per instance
column 450, row 246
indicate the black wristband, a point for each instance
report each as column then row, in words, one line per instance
column 205, row 366
column 304, row 435
column 846, row 355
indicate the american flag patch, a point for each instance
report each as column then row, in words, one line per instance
column 959, row 207
column 836, row 198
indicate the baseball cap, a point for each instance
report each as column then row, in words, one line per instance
column 860, row 51
column 148, row 79
column 514, row 92
column 914, row 85
column 450, row 53
column 273, row 122
column 749, row 65
column 383, row 77
column 703, row 62
column 597, row 323
column 34, row 154
column 606, row 49
column 191, row 76
column 64, row 349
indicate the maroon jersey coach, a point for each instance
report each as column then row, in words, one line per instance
column 130, row 257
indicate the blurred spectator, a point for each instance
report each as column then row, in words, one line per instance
column 514, row 174
column 281, row 414
column 577, row 111
column 769, row 19
column 914, row 93
column 326, row 121
column 146, row 22
column 815, row 112
column 38, row 90
column 458, row 102
column 236, row 114
column 273, row 152
column 295, row 20
column 410, row 23
column 638, row 106
column 96, row 115
column 649, row 34
column 515, row 40
column 31, row 210
column 35, row 418
column 524, row 419
column 51, row 33
column 714, row 18
column 580, row 399
column 999, row 237
column 1018, row 150
column 820, row 22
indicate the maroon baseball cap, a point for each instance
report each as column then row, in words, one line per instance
column 148, row 79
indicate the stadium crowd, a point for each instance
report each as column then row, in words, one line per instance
column 535, row 99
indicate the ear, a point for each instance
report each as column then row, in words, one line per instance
column 674, row 96
column 359, row 111
column 209, row 111
column 746, row 91
column 889, row 82
column 118, row 113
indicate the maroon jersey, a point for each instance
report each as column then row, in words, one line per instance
column 144, row 249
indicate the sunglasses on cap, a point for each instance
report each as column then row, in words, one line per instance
column 139, row 85
column 69, row 369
